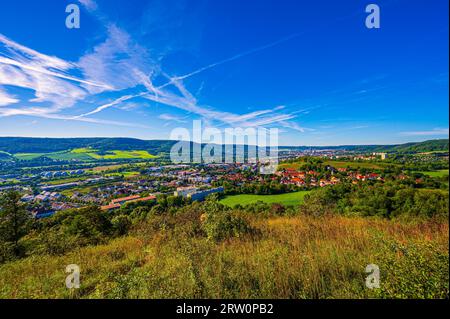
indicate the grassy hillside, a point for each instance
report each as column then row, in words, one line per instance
column 297, row 257
column 88, row 154
column 16, row 145
column 440, row 173
column 4, row 156
column 427, row 146
column 115, row 154
column 285, row 199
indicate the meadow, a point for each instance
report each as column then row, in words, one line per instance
column 87, row 154
column 128, row 174
column 289, row 257
column 66, row 180
column 113, row 154
column 439, row 173
column 288, row 199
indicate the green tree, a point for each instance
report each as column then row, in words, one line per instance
column 121, row 224
column 14, row 220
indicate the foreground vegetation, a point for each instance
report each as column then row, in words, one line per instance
column 289, row 257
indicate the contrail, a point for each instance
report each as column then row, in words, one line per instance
column 245, row 53
column 235, row 57
column 115, row 102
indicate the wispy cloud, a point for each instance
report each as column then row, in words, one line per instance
column 6, row 99
column 90, row 5
column 117, row 64
column 232, row 58
column 41, row 113
column 47, row 76
column 187, row 102
column 118, row 61
column 170, row 117
column 108, row 105
column 433, row 132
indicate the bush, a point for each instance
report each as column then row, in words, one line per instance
column 121, row 224
column 53, row 241
column 6, row 251
column 224, row 225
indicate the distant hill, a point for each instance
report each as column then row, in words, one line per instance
column 427, row 146
column 14, row 145
column 5, row 156
column 413, row 147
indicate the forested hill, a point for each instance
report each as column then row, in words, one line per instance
column 427, row 146
column 413, row 147
column 15, row 145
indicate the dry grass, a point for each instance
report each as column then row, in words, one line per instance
column 297, row 257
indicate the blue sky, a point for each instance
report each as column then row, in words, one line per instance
column 309, row 68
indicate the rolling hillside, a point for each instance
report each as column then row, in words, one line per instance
column 32, row 146
column 16, row 145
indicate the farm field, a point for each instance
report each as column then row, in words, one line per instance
column 288, row 199
column 439, row 173
column 28, row 156
column 114, row 154
column 67, row 180
column 124, row 174
column 82, row 190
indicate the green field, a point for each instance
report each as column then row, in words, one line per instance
column 113, row 154
column 5, row 156
column 87, row 154
column 340, row 164
column 64, row 155
column 67, row 180
column 288, row 199
column 353, row 164
column 124, row 174
column 28, row 156
column 440, row 173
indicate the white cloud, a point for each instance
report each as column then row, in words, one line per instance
column 41, row 113
column 46, row 76
column 170, row 117
column 118, row 61
column 116, row 64
column 6, row 99
column 90, row 5
column 433, row 132
column 113, row 103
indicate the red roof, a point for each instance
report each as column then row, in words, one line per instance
column 110, row 206
column 124, row 199
column 129, row 199
column 143, row 199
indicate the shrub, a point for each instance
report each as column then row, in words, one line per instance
column 6, row 251
column 121, row 224
column 223, row 225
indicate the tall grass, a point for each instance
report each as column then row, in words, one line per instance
column 289, row 257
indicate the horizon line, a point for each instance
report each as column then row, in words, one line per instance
column 279, row 146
